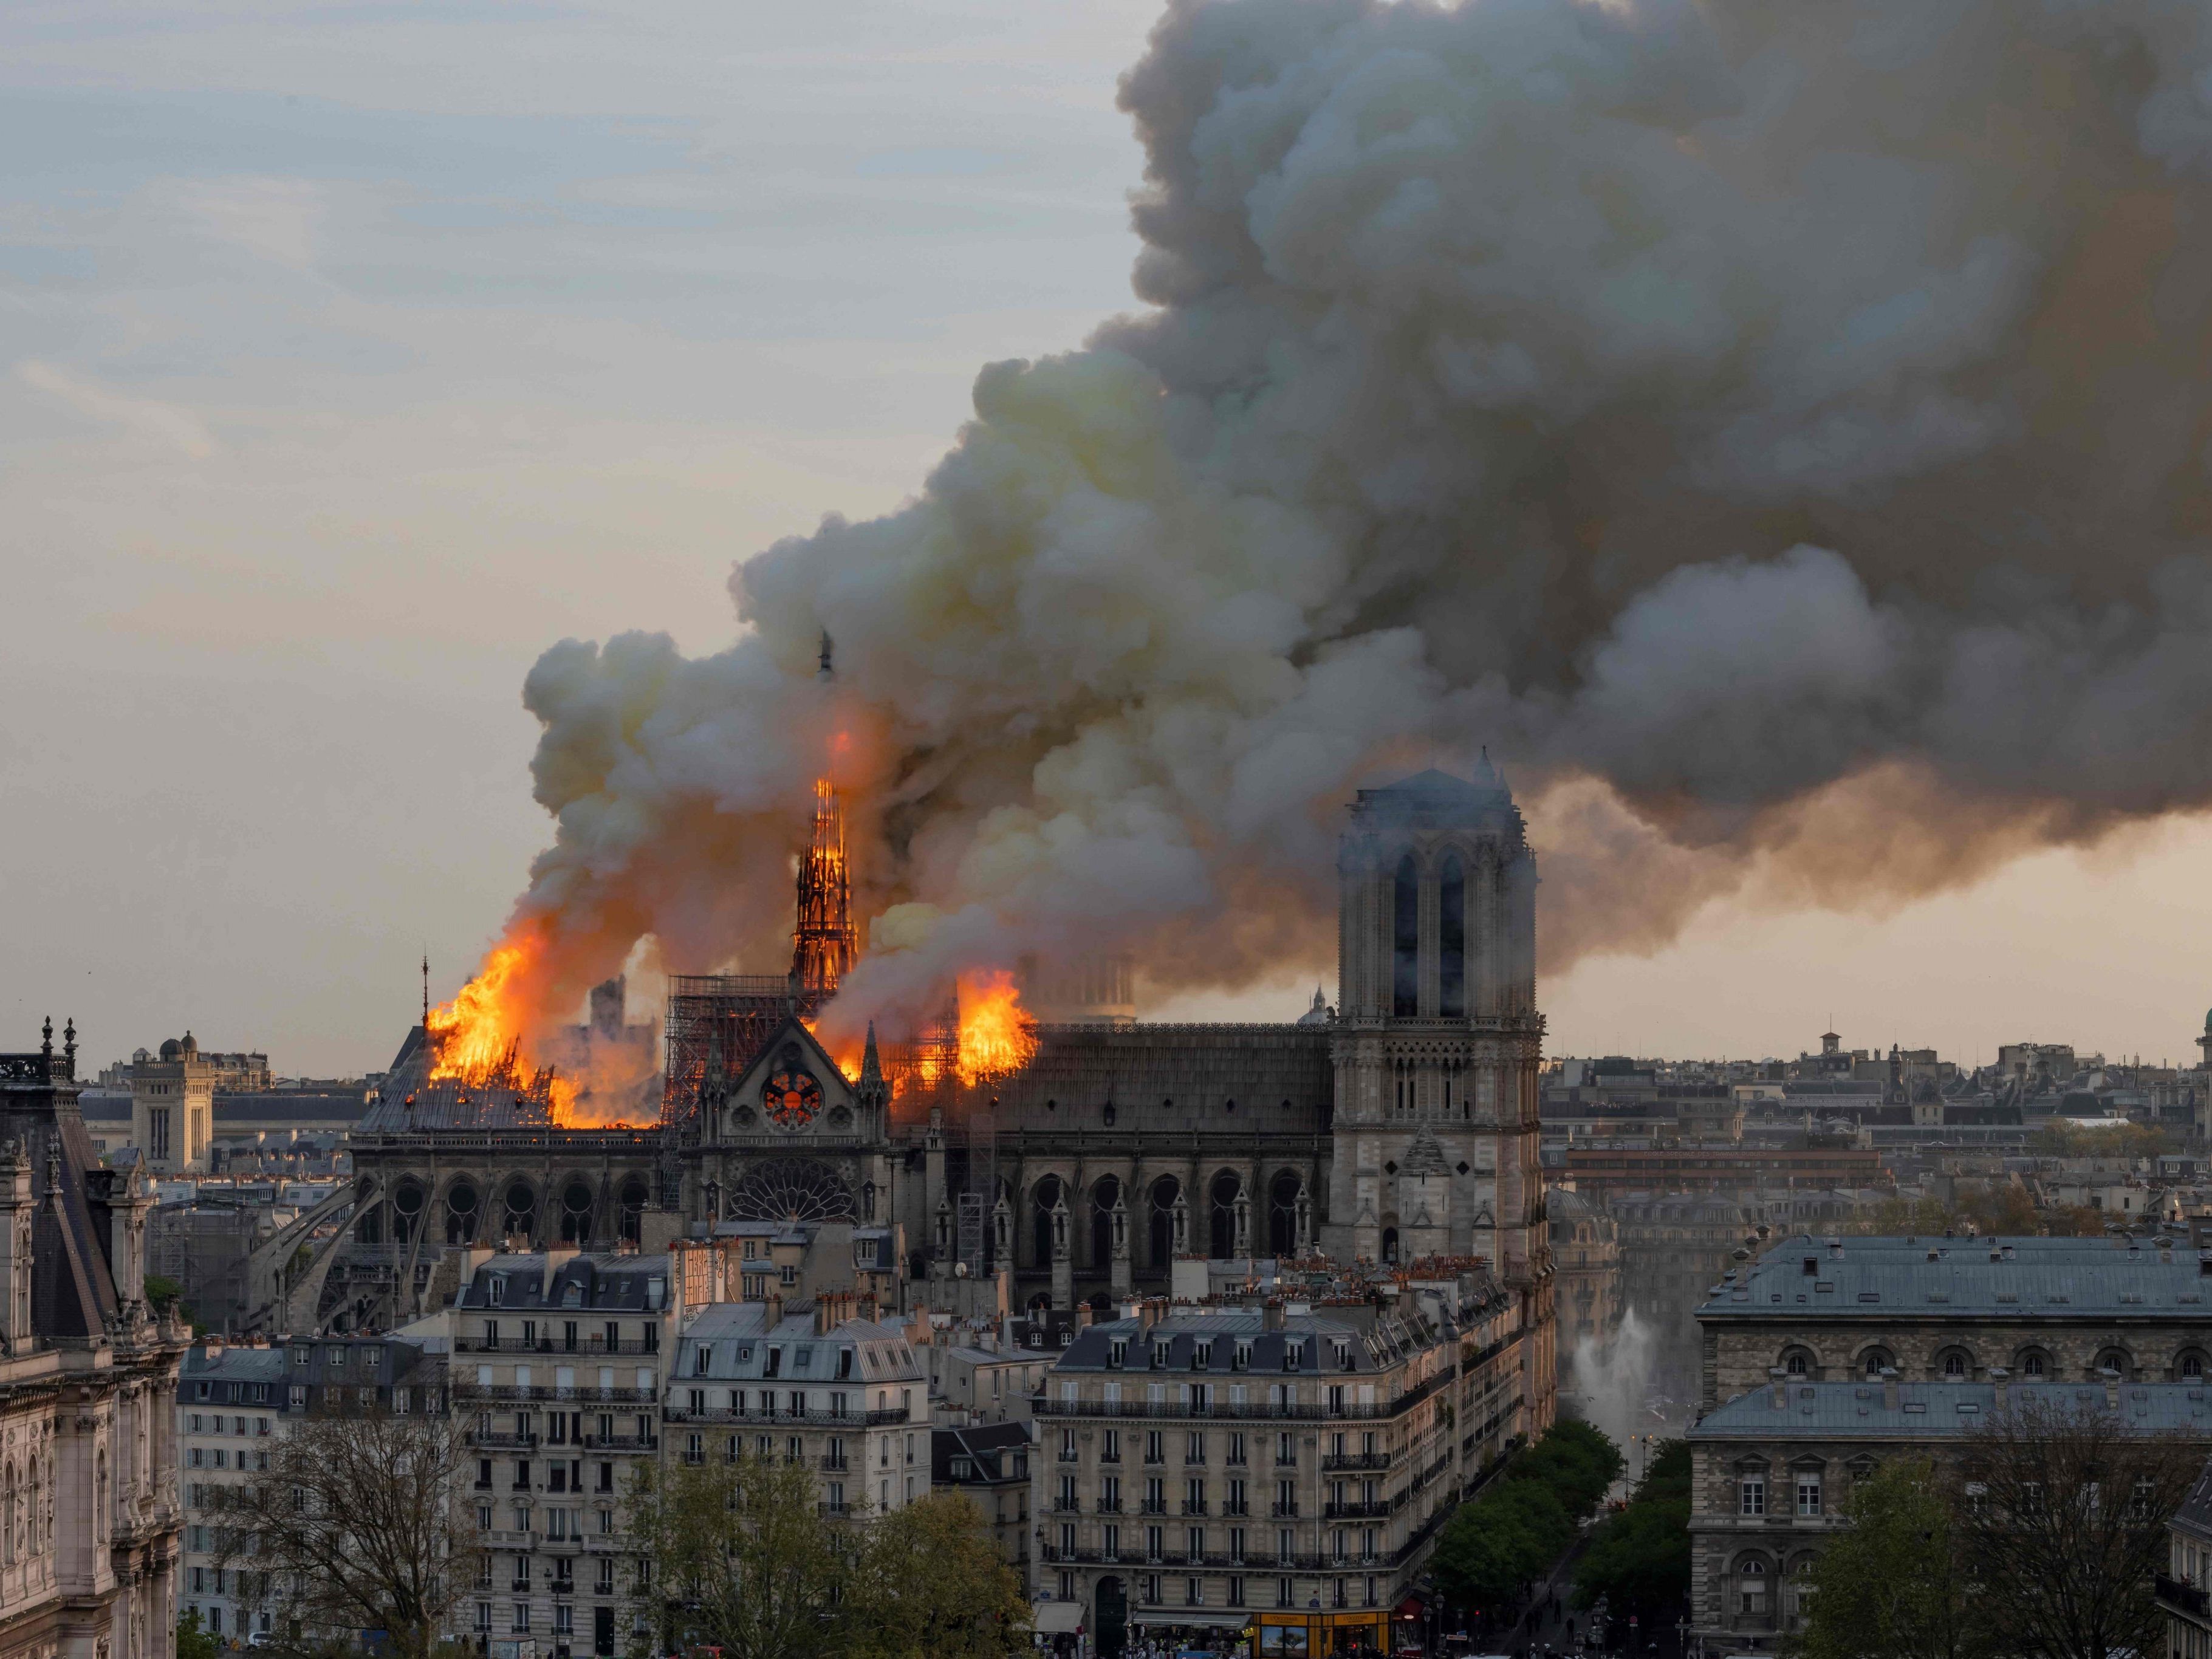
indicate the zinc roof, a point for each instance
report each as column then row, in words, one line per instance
column 1936, row 1410
column 1882, row 1279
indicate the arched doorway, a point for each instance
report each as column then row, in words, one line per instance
column 1390, row 1246
column 1221, row 1216
column 1043, row 1196
column 1283, row 1213
column 1105, row 1194
column 1161, row 1228
column 1110, row 1618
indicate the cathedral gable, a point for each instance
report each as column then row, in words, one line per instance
column 794, row 1088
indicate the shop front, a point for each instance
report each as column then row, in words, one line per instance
column 1187, row 1633
column 1365, row 1634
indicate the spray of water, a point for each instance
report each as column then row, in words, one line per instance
column 1613, row 1373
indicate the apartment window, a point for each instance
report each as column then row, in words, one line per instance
column 1154, row 1446
column 1237, row 1447
column 520, row 1625
column 605, row 1584
column 1194, row 1450
column 1286, row 1447
column 1194, row 1592
column 1283, row 1593
column 1809, row 1492
column 483, row 1616
column 1112, row 1542
column 1110, row 1445
column 1236, row 1546
column 564, row 1618
column 1286, row 1498
column 1193, row 1544
column 1155, row 1545
column 1751, row 1495
column 1193, row 1498
column 1235, row 1592
column 694, row 1447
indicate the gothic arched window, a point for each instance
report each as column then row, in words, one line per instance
column 1451, row 937
column 1406, row 942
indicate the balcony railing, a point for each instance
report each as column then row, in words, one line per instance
column 765, row 1419
column 2182, row 1596
column 1356, row 1460
column 477, row 1342
column 582, row 1395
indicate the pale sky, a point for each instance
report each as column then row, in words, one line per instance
column 349, row 355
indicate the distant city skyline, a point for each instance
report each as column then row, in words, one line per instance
column 343, row 365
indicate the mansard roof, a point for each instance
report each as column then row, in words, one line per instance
column 1930, row 1411
column 73, row 1293
column 2045, row 1279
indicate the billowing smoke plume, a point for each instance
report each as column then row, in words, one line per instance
column 1777, row 428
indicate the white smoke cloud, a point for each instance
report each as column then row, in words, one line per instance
column 1778, row 431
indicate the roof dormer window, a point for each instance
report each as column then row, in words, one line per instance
column 1117, row 1353
column 1243, row 1360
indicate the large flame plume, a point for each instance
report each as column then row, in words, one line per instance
column 996, row 1036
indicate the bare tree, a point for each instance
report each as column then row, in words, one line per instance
column 352, row 1528
column 2064, row 1506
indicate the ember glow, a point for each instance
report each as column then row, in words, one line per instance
column 996, row 1036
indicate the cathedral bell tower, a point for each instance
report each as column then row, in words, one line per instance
column 1438, row 1040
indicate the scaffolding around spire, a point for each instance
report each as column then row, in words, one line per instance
column 822, row 944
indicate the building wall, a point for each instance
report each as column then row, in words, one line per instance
column 1327, row 1484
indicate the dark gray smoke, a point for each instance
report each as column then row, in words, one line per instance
column 1777, row 428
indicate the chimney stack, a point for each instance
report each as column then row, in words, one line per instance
column 1781, row 1380
column 1889, row 1388
column 2000, row 1379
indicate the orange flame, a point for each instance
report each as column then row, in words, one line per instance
column 478, row 1036
column 996, row 1036
column 474, row 1033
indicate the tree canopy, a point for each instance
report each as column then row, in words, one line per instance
column 747, row 1561
column 1892, row 1584
column 1526, row 1517
column 1638, row 1560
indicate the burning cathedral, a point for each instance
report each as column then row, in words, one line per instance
column 1075, row 1160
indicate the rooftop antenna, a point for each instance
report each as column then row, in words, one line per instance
column 426, row 990
column 825, row 671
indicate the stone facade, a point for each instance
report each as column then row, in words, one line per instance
column 1773, row 1469
column 172, row 1107
column 2061, row 1309
column 88, row 1514
column 1206, row 1469
column 557, row 1368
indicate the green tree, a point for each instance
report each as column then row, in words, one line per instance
column 738, row 1555
column 1893, row 1582
column 1576, row 1462
column 1507, row 1535
column 930, row 1585
column 1638, row 1560
column 193, row 1641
